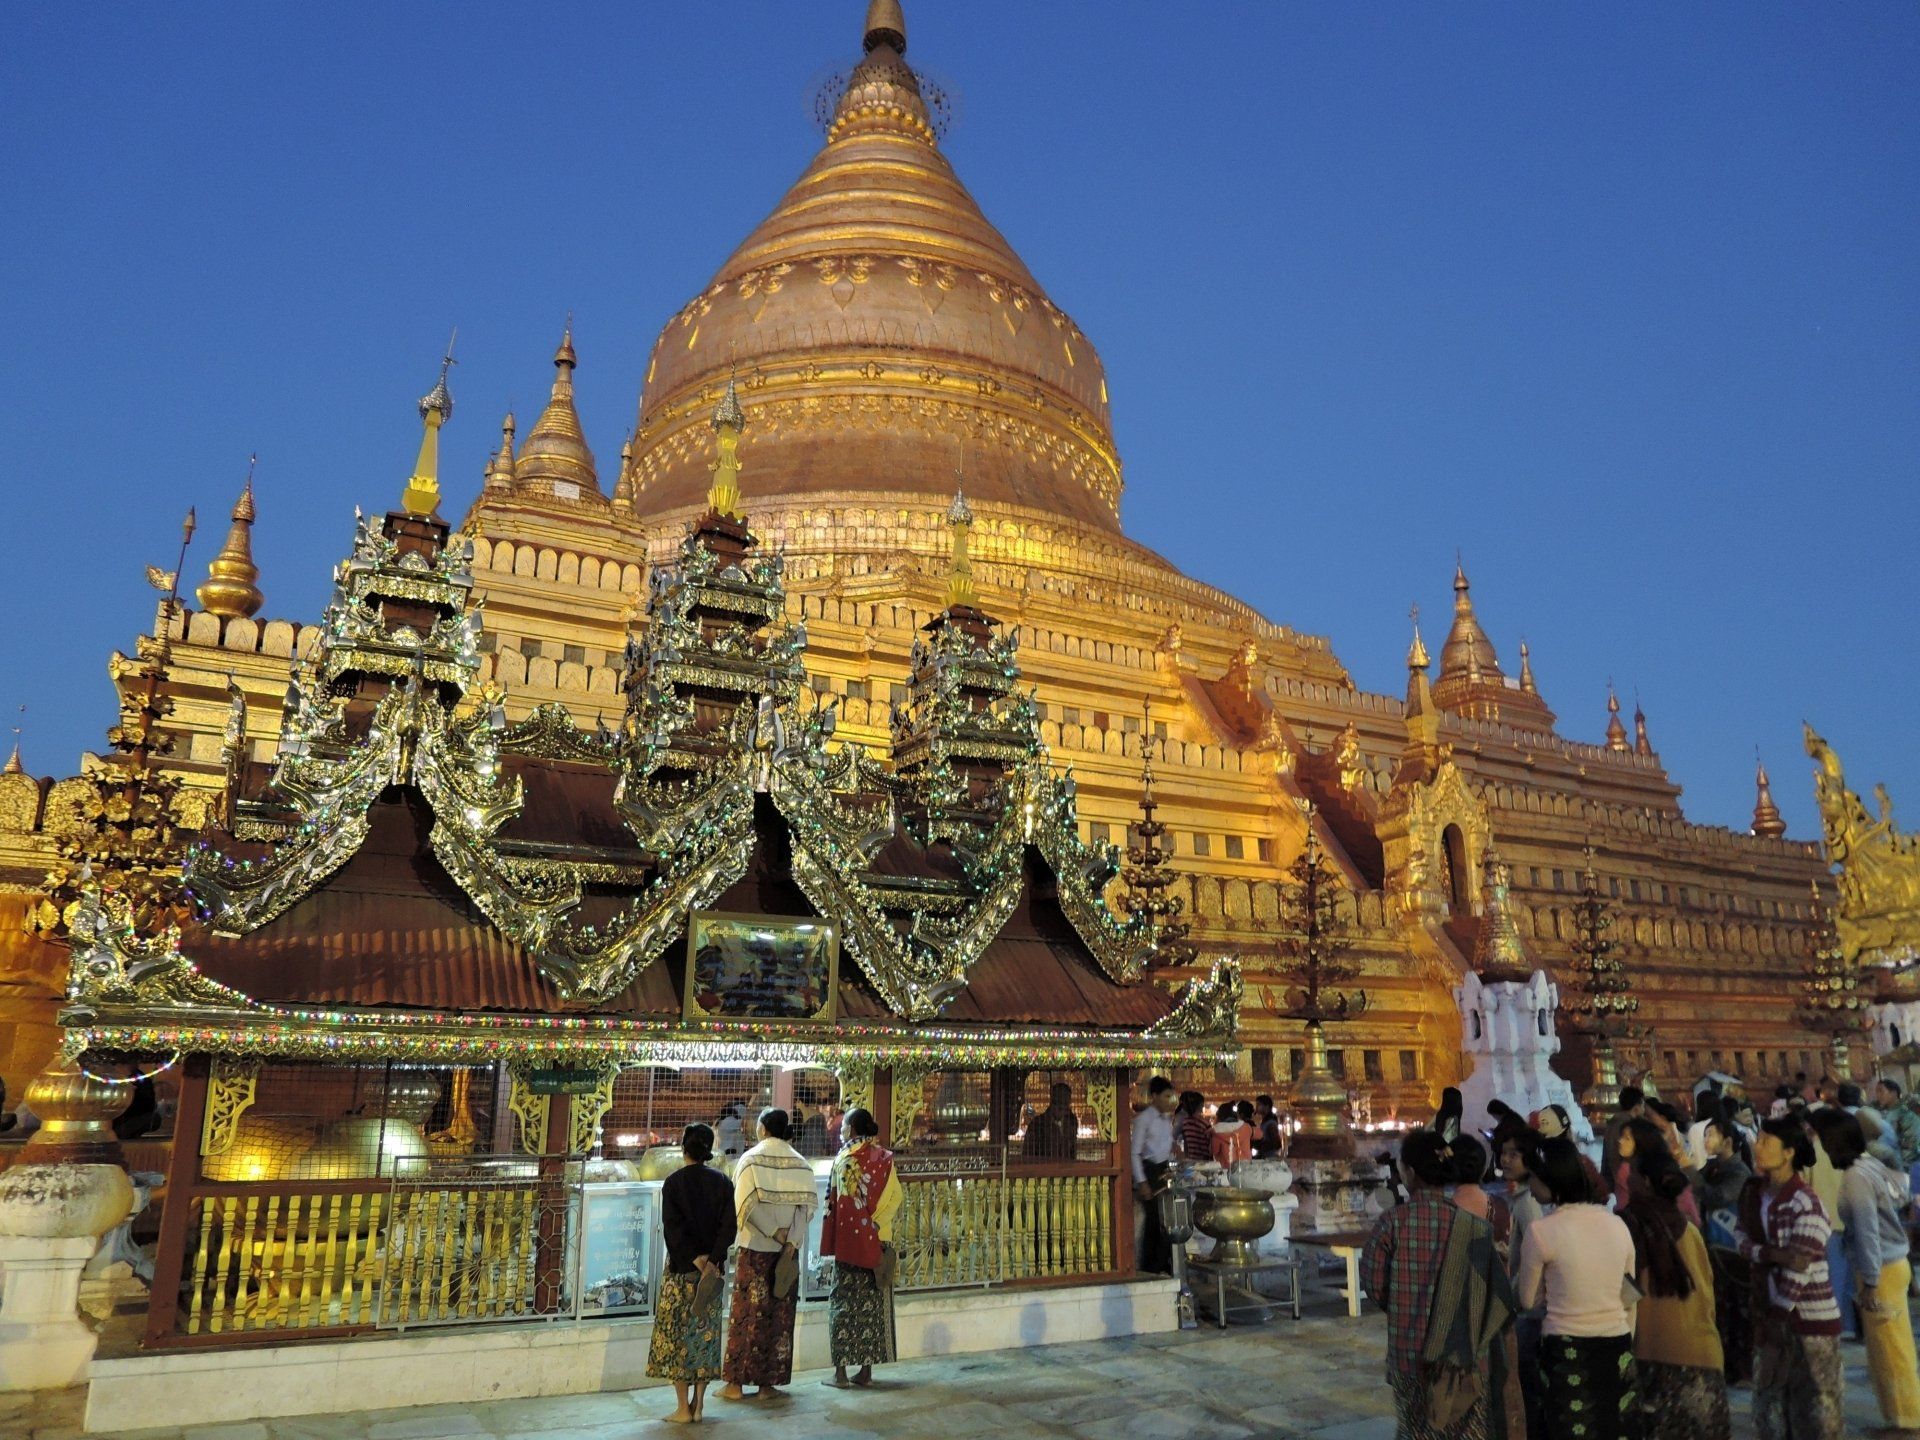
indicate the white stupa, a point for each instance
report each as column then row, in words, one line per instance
column 1507, row 1004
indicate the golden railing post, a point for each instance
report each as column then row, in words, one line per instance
column 1103, row 1191
column 1003, row 1228
column 1076, row 1227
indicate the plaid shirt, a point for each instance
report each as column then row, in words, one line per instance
column 1400, row 1265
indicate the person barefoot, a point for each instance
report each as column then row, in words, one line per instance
column 697, row 1215
column 684, row 1413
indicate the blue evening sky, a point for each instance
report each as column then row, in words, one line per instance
column 1622, row 300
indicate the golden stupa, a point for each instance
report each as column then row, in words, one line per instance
column 879, row 345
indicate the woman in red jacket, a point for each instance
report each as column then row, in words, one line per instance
column 856, row 1231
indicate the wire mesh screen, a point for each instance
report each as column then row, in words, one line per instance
column 956, row 1108
column 1057, row 1120
column 653, row 1104
column 346, row 1122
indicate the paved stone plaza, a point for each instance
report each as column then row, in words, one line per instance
column 1320, row 1378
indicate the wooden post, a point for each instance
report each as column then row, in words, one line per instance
column 1125, row 1258
column 550, row 1236
column 176, row 1209
column 883, row 1102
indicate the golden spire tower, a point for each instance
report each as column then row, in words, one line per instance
column 723, row 495
column 422, row 495
column 878, row 281
column 960, row 593
column 1423, row 717
column 230, row 589
column 1468, row 654
column 1616, row 732
column 554, row 459
column 1641, row 744
column 500, row 468
column 1766, row 815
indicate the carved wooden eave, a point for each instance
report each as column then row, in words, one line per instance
column 685, row 788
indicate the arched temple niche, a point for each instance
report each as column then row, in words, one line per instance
column 1435, row 834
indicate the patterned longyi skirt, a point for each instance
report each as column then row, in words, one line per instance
column 760, row 1326
column 686, row 1343
column 859, row 1318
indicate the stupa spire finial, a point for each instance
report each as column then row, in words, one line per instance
column 422, row 495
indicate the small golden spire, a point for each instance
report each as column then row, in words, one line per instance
column 623, row 484
column 230, row 590
column 422, row 495
column 500, row 468
column 1467, row 657
column 1616, row 732
column 960, row 568
column 14, row 767
column 1417, row 658
column 1766, row 815
column 886, row 25
column 555, row 458
column 1641, row 744
column 1526, row 670
column 723, row 496
column 1499, row 952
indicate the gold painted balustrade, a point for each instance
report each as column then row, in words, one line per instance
column 330, row 1257
column 985, row 1230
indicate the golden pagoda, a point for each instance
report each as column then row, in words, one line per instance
column 871, row 330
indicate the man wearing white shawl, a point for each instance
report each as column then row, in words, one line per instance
column 773, row 1198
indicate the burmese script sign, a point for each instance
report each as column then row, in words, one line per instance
column 761, row 967
column 559, row 1081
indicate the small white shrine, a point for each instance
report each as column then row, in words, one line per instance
column 1507, row 1028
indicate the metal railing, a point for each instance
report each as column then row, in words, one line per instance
column 438, row 1249
column 985, row 1227
column 533, row 1241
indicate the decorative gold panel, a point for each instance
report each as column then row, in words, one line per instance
column 909, row 1099
column 856, row 1085
column 230, row 1094
column 529, row 1109
column 1103, row 1100
column 588, row 1111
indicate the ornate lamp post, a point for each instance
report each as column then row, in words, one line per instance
column 128, row 842
column 1310, row 953
column 1149, row 875
column 1604, row 1005
column 1832, row 1002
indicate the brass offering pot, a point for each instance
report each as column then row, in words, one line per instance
column 1234, row 1218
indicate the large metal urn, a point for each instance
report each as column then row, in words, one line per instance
column 1235, row 1219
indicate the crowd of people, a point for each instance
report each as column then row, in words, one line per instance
column 1530, row 1293
column 758, row 1217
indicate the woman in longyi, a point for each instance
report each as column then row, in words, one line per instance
column 862, row 1198
column 773, row 1198
column 696, row 1211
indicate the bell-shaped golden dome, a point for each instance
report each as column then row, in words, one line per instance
column 1468, row 653
column 231, row 588
column 884, row 334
